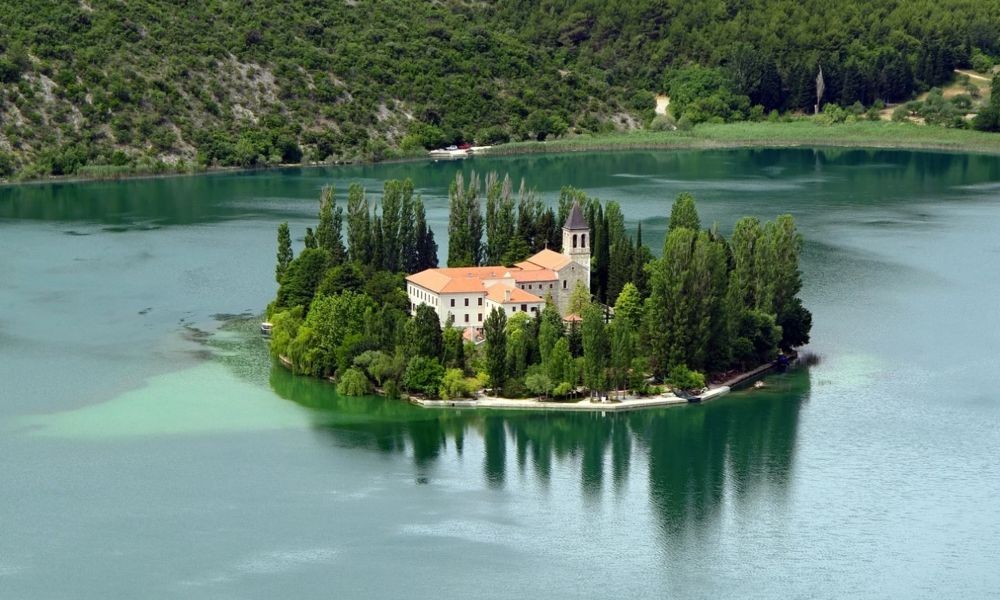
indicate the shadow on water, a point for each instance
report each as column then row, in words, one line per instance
column 696, row 456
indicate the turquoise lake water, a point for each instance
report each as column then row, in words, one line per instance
column 149, row 449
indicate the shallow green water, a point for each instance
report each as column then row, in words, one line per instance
column 148, row 449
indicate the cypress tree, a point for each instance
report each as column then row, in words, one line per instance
column 285, row 254
column 407, row 259
column 426, row 247
column 595, row 349
column 495, row 332
column 465, row 223
column 310, row 239
column 377, row 245
column 392, row 200
column 358, row 225
column 331, row 223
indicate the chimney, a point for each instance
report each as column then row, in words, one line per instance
column 506, row 295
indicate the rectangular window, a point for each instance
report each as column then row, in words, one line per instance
column 534, row 309
column 466, row 317
column 564, row 284
column 524, row 308
column 453, row 303
column 480, row 317
column 480, row 302
column 466, row 301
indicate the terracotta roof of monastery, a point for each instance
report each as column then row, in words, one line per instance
column 549, row 259
column 533, row 275
column 498, row 293
column 457, row 280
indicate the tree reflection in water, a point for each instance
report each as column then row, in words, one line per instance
column 696, row 455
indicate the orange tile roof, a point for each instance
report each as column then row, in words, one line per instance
column 431, row 279
column 456, row 280
column 550, row 259
column 498, row 293
column 527, row 266
column 536, row 275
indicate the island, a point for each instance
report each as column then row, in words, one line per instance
column 539, row 306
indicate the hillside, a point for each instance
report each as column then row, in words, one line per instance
column 146, row 85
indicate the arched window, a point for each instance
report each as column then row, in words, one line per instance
column 583, row 240
column 574, row 240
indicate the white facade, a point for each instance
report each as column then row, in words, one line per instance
column 469, row 294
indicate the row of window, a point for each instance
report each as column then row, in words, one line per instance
column 467, row 302
column 513, row 309
column 541, row 286
column 428, row 299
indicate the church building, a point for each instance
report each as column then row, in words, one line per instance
column 469, row 294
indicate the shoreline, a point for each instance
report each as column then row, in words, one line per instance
column 629, row 403
column 861, row 135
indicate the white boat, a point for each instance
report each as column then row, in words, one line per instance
column 450, row 152
column 265, row 329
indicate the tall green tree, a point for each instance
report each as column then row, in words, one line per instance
column 377, row 244
column 302, row 278
column 426, row 252
column 501, row 219
column 748, row 280
column 309, row 241
column 392, row 206
column 329, row 231
column 465, row 222
column 519, row 344
column 358, row 225
column 622, row 349
column 687, row 291
column 407, row 259
column 495, row 334
column 684, row 213
column 595, row 349
column 423, row 333
column 550, row 330
column 628, row 307
column 285, row 254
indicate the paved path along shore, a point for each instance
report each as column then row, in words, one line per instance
column 585, row 404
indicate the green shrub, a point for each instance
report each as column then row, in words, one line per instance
column 455, row 384
column 683, row 378
column 353, row 383
column 423, row 375
column 663, row 123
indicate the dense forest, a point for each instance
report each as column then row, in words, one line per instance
column 107, row 86
column 705, row 306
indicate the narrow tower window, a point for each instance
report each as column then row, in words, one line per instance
column 574, row 240
column 583, row 240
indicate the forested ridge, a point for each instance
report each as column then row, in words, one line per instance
column 106, row 86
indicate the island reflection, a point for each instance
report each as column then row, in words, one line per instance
column 694, row 457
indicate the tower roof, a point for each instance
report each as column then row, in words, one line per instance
column 575, row 220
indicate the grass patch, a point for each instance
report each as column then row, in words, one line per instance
column 804, row 132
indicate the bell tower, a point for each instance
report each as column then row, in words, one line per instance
column 576, row 239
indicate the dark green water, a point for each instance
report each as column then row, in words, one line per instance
column 148, row 449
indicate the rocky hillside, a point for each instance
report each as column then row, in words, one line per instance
column 120, row 86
